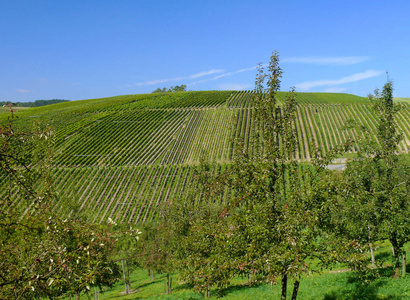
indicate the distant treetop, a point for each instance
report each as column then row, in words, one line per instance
column 35, row 103
column 177, row 88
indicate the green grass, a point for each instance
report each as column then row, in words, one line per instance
column 328, row 285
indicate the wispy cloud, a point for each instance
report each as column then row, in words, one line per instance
column 335, row 90
column 23, row 91
column 352, row 78
column 205, row 73
column 234, row 86
column 322, row 60
column 223, row 75
column 193, row 76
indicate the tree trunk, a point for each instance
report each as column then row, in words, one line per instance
column 372, row 256
column 207, row 293
column 125, row 279
column 167, row 285
column 396, row 265
column 295, row 289
column 396, row 260
column 403, row 273
column 128, row 275
column 284, row 286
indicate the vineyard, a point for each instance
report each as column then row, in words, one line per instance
column 121, row 157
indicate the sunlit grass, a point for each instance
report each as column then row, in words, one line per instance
column 340, row 283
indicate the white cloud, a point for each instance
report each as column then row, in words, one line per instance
column 23, row 91
column 321, row 60
column 234, row 86
column 197, row 75
column 223, row 75
column 335, row 90
column 205, row 73
column 193, row 76
column 352, row 78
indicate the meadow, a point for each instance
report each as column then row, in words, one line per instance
column 338, row 283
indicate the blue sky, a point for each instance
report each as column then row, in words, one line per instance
column 90, row 49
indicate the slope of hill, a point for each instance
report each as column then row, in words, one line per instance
column 121, row 157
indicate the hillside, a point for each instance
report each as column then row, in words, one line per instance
column 121, row 157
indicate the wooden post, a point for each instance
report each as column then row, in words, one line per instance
column 372, row 256
column 403, row 271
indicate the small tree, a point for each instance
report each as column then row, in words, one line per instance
column 378, row 184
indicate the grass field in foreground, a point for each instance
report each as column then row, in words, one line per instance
column 329, row 285
column 326, row 286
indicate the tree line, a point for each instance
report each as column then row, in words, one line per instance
column 36, row 103
column 172, row 89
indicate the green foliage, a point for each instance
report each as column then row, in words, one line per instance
column 42, row 255
column 271, row 224
column 374, row 205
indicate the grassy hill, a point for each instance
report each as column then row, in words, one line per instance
column 121, row 157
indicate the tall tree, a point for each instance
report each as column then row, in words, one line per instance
column 270, row 228
column 276, row 200
column 377, row 184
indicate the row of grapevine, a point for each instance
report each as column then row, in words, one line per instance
column 122, row 138
column 178, row 100
column 323, row 126
column 213, row 137
column 126, row 194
